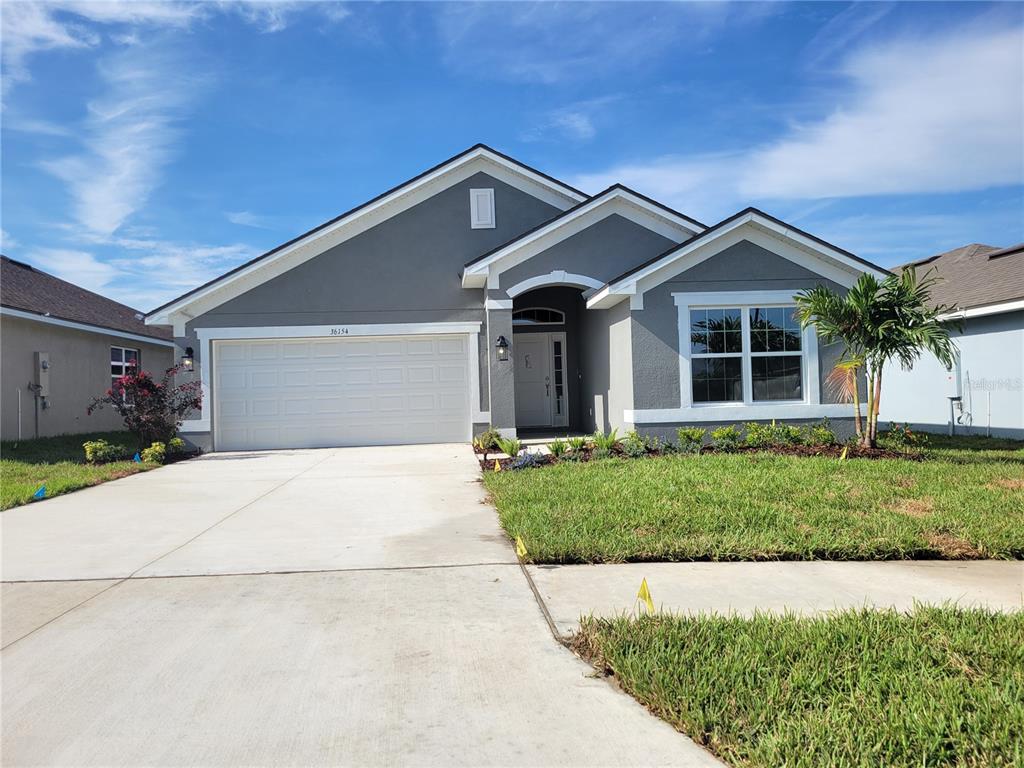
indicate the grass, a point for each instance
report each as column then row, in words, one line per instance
column 59, row 464
column 965, row 501
column 936, row 686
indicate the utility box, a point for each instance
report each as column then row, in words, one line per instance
column 954, row 382
column 42, row 376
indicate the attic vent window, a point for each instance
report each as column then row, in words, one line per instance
column 538, row 316
column 481, row 208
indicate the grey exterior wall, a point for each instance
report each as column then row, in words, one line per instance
column 569, row 301
column 602, row 251
column 79, row 371
column 990, row 378
column 606, row 387
column 404, row 270
column 655, row 329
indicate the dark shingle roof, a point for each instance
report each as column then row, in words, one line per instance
column 26, row 288
column 975, row 275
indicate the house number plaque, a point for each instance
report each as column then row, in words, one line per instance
column 339, row 331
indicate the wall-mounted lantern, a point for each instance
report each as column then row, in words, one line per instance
column 501, row 347
column 187, row 360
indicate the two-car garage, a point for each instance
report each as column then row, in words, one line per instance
column 344, row 390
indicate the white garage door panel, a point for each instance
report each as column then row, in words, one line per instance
column 305, row 393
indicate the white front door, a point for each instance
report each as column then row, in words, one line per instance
column 539, row 379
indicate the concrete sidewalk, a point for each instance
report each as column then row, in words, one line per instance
column 572, row 591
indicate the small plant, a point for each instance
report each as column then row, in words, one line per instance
column 558, row 447
column 633, row 445
column 905, row 440
column 601, row 452
column 772, row 435
column 527, row 460
column 152, row 410
column 156, row 453
column 821, row 434
column 607, row 442
column 175, row 445
column 100, row 451
column 510, row 446
column 577, row 449
column 654, row 444
column 691, row 439
column 725, row 438
column 487, row 441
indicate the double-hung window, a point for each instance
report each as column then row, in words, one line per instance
column 743, row 353
column 122, row 362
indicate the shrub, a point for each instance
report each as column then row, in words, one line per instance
column 152, row 410
column 902, row 438
column 100, row 451
column 601, row 452
column 175, row 445
column 558, row 447
column 607, row 442
column 487, row 441
column 821, row 434
column 510, row 446
column 577, row 449
column 774, row 434
column 654, row 443
column 156, row 453
column 691, row 439
column 725, row 438
column 526, row 460
column 633, row 445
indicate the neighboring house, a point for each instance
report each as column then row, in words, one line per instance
column 60, row 347
column 483, row 292
column 986, row 285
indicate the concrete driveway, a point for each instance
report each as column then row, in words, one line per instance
column 349, row 606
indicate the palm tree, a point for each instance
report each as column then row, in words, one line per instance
column 879, row 322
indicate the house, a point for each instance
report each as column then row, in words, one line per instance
column 484, row 292
column 984, row 392
column 60, row 347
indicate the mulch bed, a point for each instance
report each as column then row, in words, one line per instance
column 487, row 458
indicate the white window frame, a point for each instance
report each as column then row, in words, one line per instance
column 481, row 209
column 810, row 407
column 531, row 324
column 124, row 367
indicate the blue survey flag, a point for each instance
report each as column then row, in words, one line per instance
column 41, row 493
column 136, row 458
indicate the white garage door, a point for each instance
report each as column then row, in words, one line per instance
column 308, row 393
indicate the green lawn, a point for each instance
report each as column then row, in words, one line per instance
column 965, row 501
column 58, row 463
column 936, row 687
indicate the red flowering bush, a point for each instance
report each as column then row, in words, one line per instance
column 152, row 410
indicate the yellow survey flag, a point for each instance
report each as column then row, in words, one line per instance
column 520, row 547
column 842, row 456
column 645, row 595
column 497, row 466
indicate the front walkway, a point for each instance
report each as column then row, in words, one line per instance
column 572, row 591
column 352, row 606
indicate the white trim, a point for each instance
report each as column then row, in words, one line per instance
column 740, row 412
column 404, row 197
column 811, row 383
column 476, row 416
column 84, row 327
column 555, row 277
column 782, row 241
column 991, row 309
column 498, row 304
column 481, row 208
column 614, row 201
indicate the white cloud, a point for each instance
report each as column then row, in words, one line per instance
column 247, row 219
column 78, row 267
column 128, row 137
column 575, row 121
column 6, row 241
column 922, row 115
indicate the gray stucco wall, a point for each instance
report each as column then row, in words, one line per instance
column 602, row 251
column 569, row 301
column 404, row 270
column 741, row 267
column 79, row 371
column 606, row 387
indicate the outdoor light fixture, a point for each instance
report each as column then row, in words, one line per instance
column 187, row 360
column 501, row 345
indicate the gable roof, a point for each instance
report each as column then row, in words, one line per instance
column 675, row 225
column 626, row 284
column 975, row 275
column 32, row 291
column 394, row 200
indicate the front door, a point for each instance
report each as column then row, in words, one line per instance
column 539, row 379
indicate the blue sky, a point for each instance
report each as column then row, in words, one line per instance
column 148, row 147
